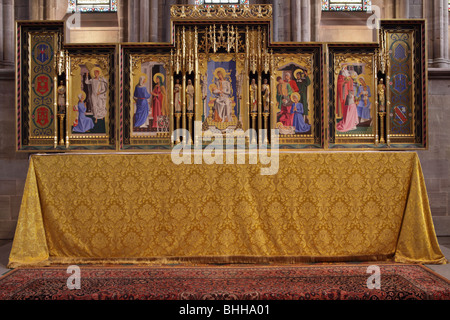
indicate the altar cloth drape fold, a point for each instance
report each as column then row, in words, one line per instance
column 143, row 208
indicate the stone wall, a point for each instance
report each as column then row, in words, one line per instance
column 436, row 160
column 13, row 166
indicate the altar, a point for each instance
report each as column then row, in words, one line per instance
column 102, row 122
column 144, row 208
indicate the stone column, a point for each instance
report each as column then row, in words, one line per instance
column 133, row 20
column 306, row 20
column 122, row 13
column 154, row 9
column 286, row 17
column 416, row 9
column 36, row 10
column 167, row 25
column 50, row 7
column 47, row 9
column 144, row 22
column 7, row 34
column 437, row 16
column 275, row 23
column 297, row 20
column 300, row 25
column 402, row 9
column 316, row 11
column 282, row 20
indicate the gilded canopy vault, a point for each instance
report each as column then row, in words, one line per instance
column 221, row 76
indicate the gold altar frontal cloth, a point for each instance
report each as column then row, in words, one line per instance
column 143, row 208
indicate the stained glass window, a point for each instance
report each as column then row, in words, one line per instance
column 92, row 6
column 347, row 5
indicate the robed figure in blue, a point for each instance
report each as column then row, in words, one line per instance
column 364, row 104
column 297, row 109
column 84, row 124
column 141, row 96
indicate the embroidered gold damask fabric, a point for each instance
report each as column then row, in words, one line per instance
column 143, row 208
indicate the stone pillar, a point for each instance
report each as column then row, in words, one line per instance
column 285, row 15
column 306, row 20
column 297, row 20
column 416, row 9
column 144, row 22
column 133, row 20
column 47, row 9
column 154, row 9
column 36, row 10
column 167, row 32
column 402, row 9
column 300, row 25
column 122, row 13
column 21, row 9
column 50, row 7
column 316, row 11
column 438, row 50
column 275, row 20
column 282, row 20
column 409, row 9
column 7, row 34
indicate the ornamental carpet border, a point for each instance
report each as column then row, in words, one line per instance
column 236, row 282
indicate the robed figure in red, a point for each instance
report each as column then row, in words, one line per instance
column 344, row 85
column 158, row 99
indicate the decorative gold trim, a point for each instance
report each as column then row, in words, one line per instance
column 221, row 12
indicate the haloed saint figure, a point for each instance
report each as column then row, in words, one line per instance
column 222, row 91
column 90, row 99
column 98, row 88
column 159, row 99
column 83, row 124
column 141, row 98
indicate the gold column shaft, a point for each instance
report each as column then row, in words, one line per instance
column 388, row 95
column 246, row 84
column 197, row 91
column 375, row 72
column 55, row 105
column 266, row 128
column 273, row 97
column 259, row 101
column 382, row 116
column 183, row 105
column 61, row 129
column 170, row 94
column 67, row 97
column 183, row 84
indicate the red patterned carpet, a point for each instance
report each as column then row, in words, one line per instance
column 231, row 282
